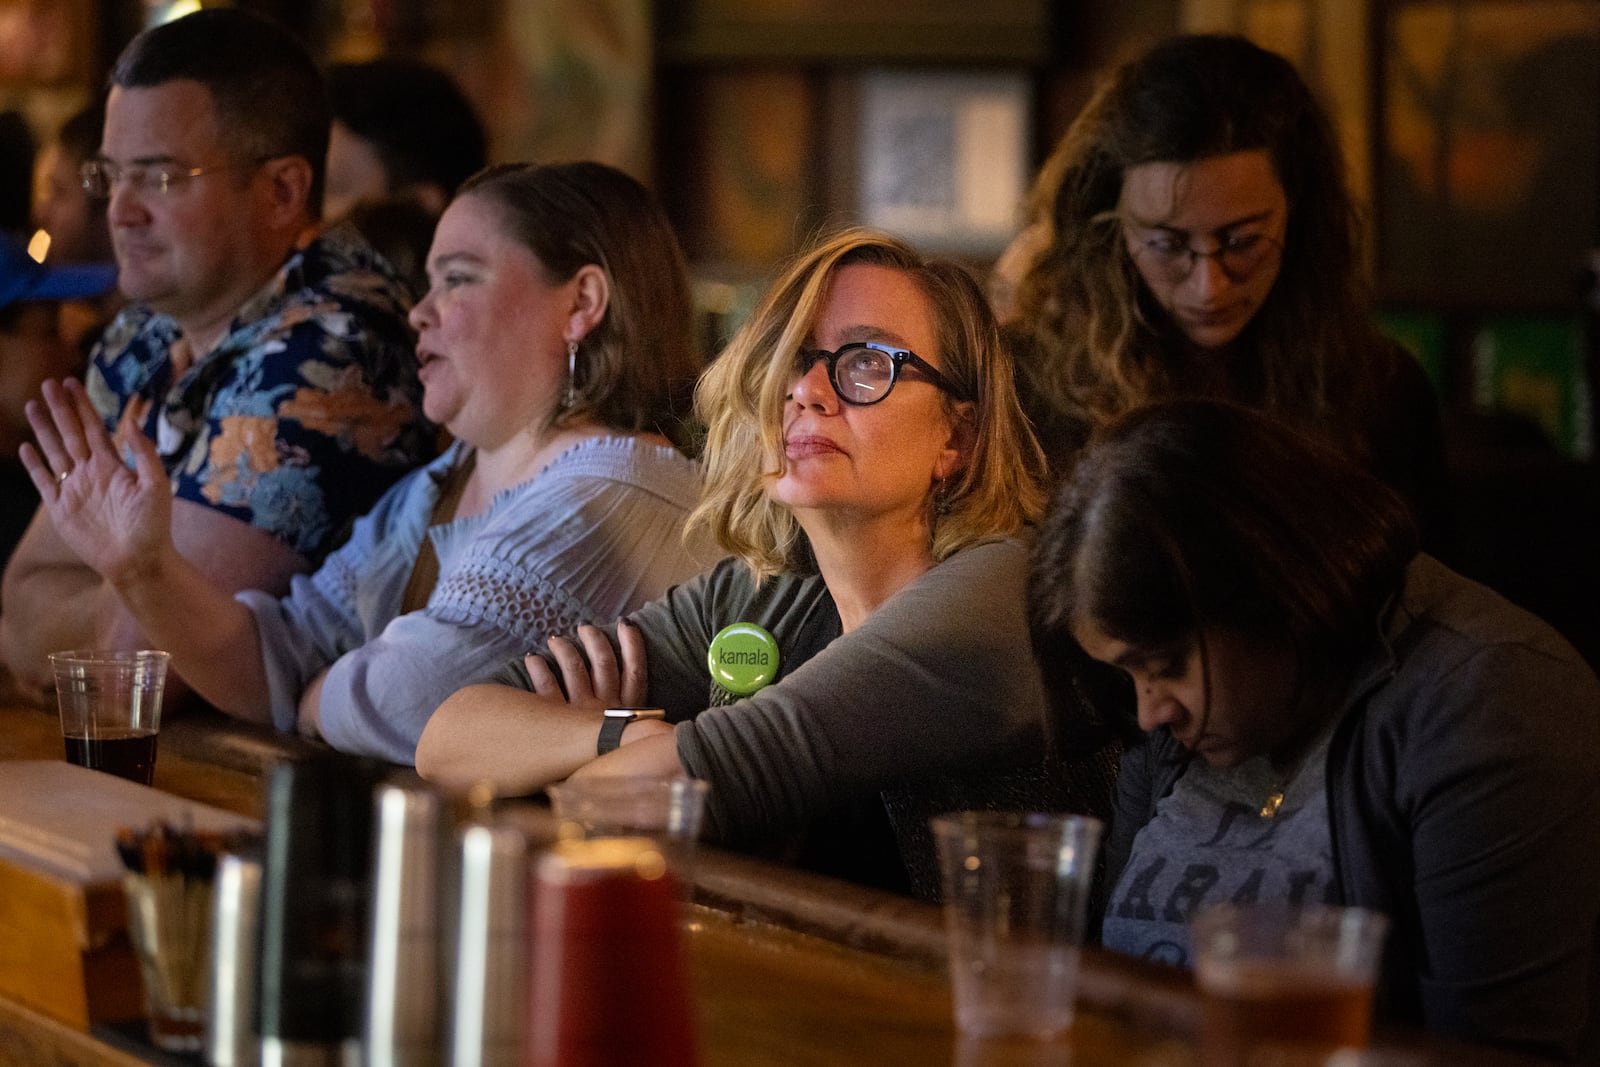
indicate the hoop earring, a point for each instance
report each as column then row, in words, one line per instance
column 570, row 397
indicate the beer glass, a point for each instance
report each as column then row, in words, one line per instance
column 111, row 709
column 1275, row 978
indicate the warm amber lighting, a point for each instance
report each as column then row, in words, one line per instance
column 180, row 9
column 39, row 246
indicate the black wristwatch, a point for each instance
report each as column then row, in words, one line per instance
column 616, row 720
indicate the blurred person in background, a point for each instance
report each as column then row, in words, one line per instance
column 31, row 346
column 62, row 207
column 404, row 138
column 75, row 222
column 17, row 151
column 33, row 350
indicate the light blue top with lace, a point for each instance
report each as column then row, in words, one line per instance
column 595, row 534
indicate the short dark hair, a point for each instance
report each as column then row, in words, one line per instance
column 1190, row 515
column 400, row 229
column 636, row 369
column 79, row 137
column 416, row 118
column 269, row 96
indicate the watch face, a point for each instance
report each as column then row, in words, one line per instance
column 635, row 713
column 615, row 720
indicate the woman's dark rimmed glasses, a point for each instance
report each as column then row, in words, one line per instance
column 864, row 372
column 1239, row 255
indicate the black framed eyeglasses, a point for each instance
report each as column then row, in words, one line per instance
column 864, row 372
column 1239, row 255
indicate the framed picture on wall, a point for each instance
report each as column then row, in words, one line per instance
column 1489, row 151
column 943, row 157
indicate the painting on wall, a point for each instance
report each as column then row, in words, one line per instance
column 749, row 198
column 1489, row 166
column 584, row 73
column 553, row 79
column 943, row 157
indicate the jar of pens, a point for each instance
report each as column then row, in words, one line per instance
column 170, row 871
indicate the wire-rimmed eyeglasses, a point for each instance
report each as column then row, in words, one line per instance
column 1239, row 255
column 864, row 372
column 100, row 176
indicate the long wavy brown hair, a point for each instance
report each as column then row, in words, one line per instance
column 1091, row 341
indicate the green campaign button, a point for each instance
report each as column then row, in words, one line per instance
column 743, row 658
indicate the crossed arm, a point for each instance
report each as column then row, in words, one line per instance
column 520, row 742
column 112, row 559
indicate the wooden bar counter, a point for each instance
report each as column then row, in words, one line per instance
column 790, row 968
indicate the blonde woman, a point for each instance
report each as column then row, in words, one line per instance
column 869, row 469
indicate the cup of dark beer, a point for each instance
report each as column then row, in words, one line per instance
column 1277, row 980
column 111, row 709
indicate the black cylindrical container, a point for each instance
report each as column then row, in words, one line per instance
column 315, row 894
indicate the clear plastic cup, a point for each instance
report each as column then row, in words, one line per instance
column 1016, row 889
column 1277, row 979
column 669, row 811
column 111, row 709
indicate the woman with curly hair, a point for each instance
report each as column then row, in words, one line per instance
column 1193, row 235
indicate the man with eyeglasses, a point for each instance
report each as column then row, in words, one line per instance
column 272, row 366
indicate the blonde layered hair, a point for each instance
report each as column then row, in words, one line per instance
column 741, row 398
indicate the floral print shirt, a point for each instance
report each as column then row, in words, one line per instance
column 304, row 413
